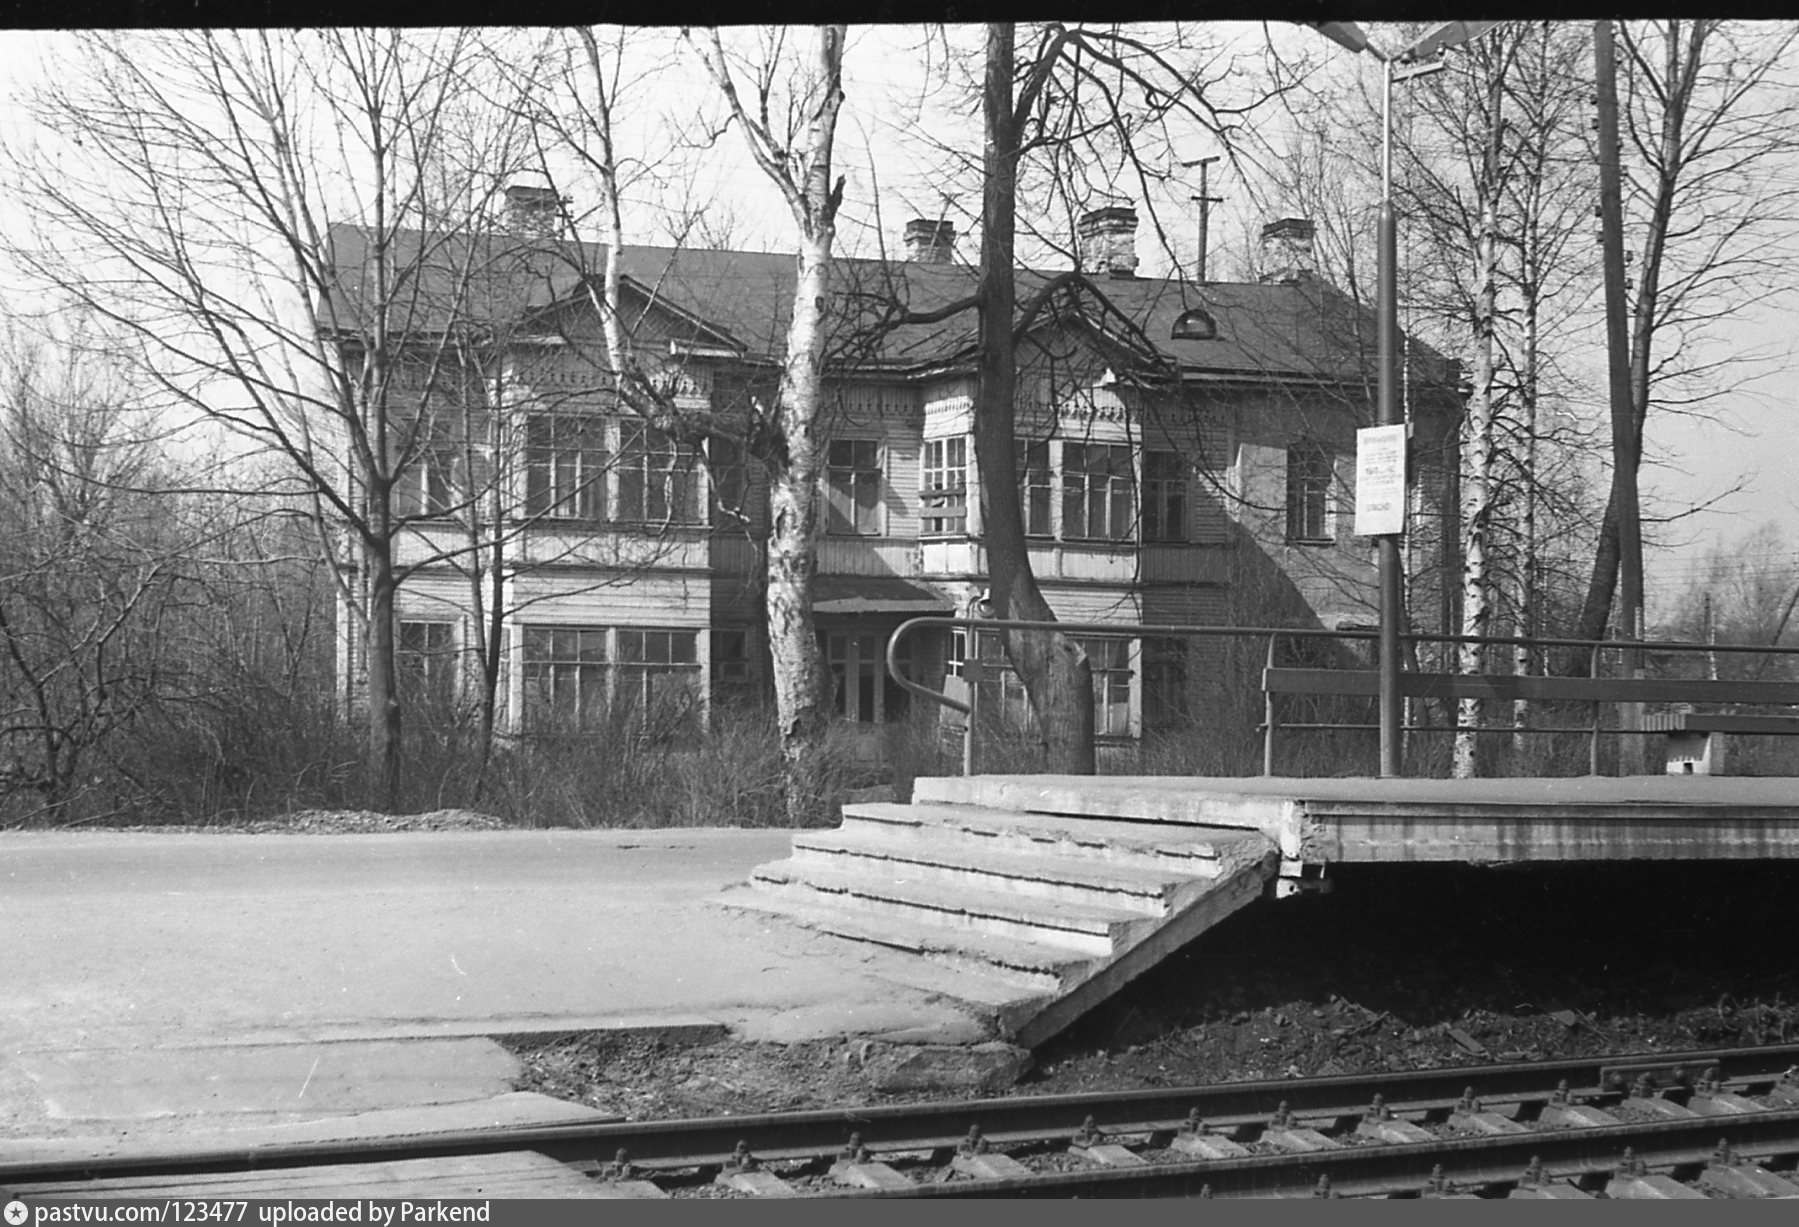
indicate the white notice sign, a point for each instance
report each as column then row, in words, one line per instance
column 1380, row 480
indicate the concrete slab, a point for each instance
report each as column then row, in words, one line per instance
column 165, row 1137
column 1362, row 819
column 153, row 944
column 337, row 1078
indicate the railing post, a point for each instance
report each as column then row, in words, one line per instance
column 971, row 670
column 1593, row 737
column 1268, row 713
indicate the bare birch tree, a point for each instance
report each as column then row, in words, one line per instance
column 794, row 151
column 195, row 191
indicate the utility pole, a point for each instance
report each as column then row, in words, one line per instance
column 1205, row 211
column 1626, row 447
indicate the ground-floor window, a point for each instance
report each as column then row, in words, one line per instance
column 1165, row 683
column 426, row 662
column 860, row 687
column 1109, row 659
column 578, row 679
column 565, row 678
column 656, row 680
column 731, row 675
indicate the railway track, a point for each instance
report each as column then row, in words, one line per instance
column 1692, row 1124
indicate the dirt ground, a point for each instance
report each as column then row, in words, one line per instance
column 1398, row 968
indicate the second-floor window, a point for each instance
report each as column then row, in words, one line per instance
column 853, row 487
column 657, row 478
column 943, row 485
column 433, row 482
column 1164, row 497
column 1036, row 481
column 428, row 487
column 729, row 470
column 565, row 467
column 1308, row 492
column 1097, row 492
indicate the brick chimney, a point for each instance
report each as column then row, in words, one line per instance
column 930, row 242
column 533, row 210
column 1108, row 241
column 1287, row 250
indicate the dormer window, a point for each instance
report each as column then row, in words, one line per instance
column 1194, row 324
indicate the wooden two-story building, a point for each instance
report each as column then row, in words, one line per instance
column 1185, row 454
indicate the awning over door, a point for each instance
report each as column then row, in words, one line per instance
column 876, row 594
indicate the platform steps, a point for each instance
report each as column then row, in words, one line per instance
column 1031, row 917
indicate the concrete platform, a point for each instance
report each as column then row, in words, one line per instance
column 132, row 966
column 155, row 985
column 1347, row 820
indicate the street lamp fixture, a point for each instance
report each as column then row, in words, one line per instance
column 1415, row 60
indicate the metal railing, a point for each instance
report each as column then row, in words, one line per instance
column 1595, row 650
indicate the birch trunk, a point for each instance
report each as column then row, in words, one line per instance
column 799, row 163
column 1477, row 484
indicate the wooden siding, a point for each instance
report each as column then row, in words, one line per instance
column 1093, row 604
column 1184, row 564
column 949, row 408
column 639, row 600
column 869, row 556
column 1187, row 606
column 734, row 555
column 1091, row 563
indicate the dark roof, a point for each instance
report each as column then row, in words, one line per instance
column 1303, row 329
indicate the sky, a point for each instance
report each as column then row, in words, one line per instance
column 893, row 176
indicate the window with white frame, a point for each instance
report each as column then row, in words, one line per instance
column 657, row 479
column 578, row 679
column 861, row 689
column 1164, row 496
column 1036, row 484
column 1110, row 661
column 1108, row 658
column 429, row 486
column 426, row 660
column 853, row 487
column 658, row 678
column 565, row 466
column 432, row 482
column 943, row 486
column 565, row 678
column 1309, row 466
column 1097, row 492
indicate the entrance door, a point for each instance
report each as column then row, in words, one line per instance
column 862, row 691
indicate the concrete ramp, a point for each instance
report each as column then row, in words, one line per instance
column 1031, row 918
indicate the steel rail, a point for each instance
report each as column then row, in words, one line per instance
column 1377, row 1169
column 899, row 1127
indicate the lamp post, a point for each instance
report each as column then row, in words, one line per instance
column 1414, row 61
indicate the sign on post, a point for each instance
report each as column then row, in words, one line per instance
column 1380, row 480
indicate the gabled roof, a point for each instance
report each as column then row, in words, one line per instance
column 1303, row 330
